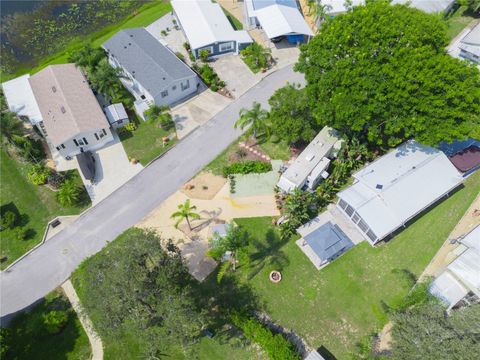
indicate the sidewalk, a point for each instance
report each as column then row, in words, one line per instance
column 95, row 341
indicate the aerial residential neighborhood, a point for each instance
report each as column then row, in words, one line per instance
column 240, row 179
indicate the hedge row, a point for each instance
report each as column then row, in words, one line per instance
column 247, row 167
column 275, row 345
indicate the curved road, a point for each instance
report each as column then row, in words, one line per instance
column 52, row 263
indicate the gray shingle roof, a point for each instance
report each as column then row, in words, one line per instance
column 153, row 65
column 328, row 240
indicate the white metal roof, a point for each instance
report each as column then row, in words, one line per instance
column 279, row 20
column 20, row 99
column 472, row 239
column 115, row 112
column 448, row 289
column 297, row 173
column 399, row 185
column 204, row 23
column 429, row 6
column 467, row 268
column 471, row 42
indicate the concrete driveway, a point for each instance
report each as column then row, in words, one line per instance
column 197, row 111
column 236, row 74
column 112, row 170
column 51, row 264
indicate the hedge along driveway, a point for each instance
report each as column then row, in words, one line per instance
column 147, row 14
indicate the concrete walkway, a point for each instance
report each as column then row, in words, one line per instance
column 52, row 263
column 95, row 341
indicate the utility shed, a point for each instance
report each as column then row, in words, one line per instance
column 324, row 244
column 116, row 115
column 308, row 167
column 396, row 187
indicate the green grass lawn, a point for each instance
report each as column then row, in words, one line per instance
column 30, row 340
column 145, row 143
column 236, row 24
column 36, row 204
column 457, row 21
column 338, row 305
column 147, row 13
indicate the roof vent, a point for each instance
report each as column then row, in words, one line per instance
column 379, row 186
column 54, row 89
column 129, row 44
column 63, row 110
column 163, row 78
column 124, row 47
column 131, row 35
column 309, row 157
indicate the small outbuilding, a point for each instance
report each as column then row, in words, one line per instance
column 116, row 115
column 324, row 244
column 206, row 27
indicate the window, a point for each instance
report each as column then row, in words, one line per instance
column 58, row 148
column 372, row 235
column 120, row 121
column 63, row 146
column 85, row 141
column 104, row 132
column 96, row 136
column 363, row 226
column 75, row 142
column 142, row 97
column 164, row 93
column 80, row 142
column 226, row 47
column 343, row 204
column 349, row 210
column 355, row 218
column 185, row 85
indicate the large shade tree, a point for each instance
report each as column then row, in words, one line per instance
column 380, row 73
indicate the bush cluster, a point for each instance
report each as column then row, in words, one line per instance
column 209, row 76
column 38, row 174
column 275, row 345
column 247, row 167
column 55, row 321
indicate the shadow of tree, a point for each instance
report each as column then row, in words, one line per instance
column 267, row 253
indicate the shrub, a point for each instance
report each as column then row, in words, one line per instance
column 68, row 194
column 55, row 321
column 38, row 174
column 180, row 56
column 186, row 45
column 247, row 167
column 5, row 338
column 8, row 221
column 131, row 126
column 275, row 345
column 191, row 56
column 203, row 55
column 30, row 150
column 166, row 122
column 163, row 33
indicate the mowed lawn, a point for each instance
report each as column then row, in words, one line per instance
column 338, row 305
column 457, row 21
column 29, row 338
column 145, row 143
column 36, row 204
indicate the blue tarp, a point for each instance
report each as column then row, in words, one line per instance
column 293, row 39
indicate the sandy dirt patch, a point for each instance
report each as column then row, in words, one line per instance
column 205, row 186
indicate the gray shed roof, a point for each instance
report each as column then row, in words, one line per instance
column 153, row 65
column 328, row 240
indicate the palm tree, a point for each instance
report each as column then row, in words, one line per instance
column 105, row 78
column 256, row 117
column 185, row 211
column 10, row 126
column 156, row 112
column 68, row 194
column 87, row 57
column 319, row 11
column 258, row 54
column 232, row 241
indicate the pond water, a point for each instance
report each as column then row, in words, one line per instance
column 8, row 7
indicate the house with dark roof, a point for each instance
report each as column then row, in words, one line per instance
column 73, row 121
column 152, row 73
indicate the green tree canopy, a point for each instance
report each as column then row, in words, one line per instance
column 427, row 332
column 290, row 115
column 256, row 117
column 380, row 72
column 138, row 286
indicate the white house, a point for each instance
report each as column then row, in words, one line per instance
column 153, row 74
column 206, row 27
column 73, row 120
column 460, row 281
column 116, row 115
column 310, row 166
column 470, row 45
column 392, row 190
column 277, row 18
column 20, row 100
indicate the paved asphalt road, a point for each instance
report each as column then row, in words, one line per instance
column 52, row 263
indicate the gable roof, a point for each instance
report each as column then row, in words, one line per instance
column 279, row 20
column 115, row 112
column 20, row 99
column 399, row 185
column 327, row 241
column 153, row 65
column 66, row 102
column 205, row 23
